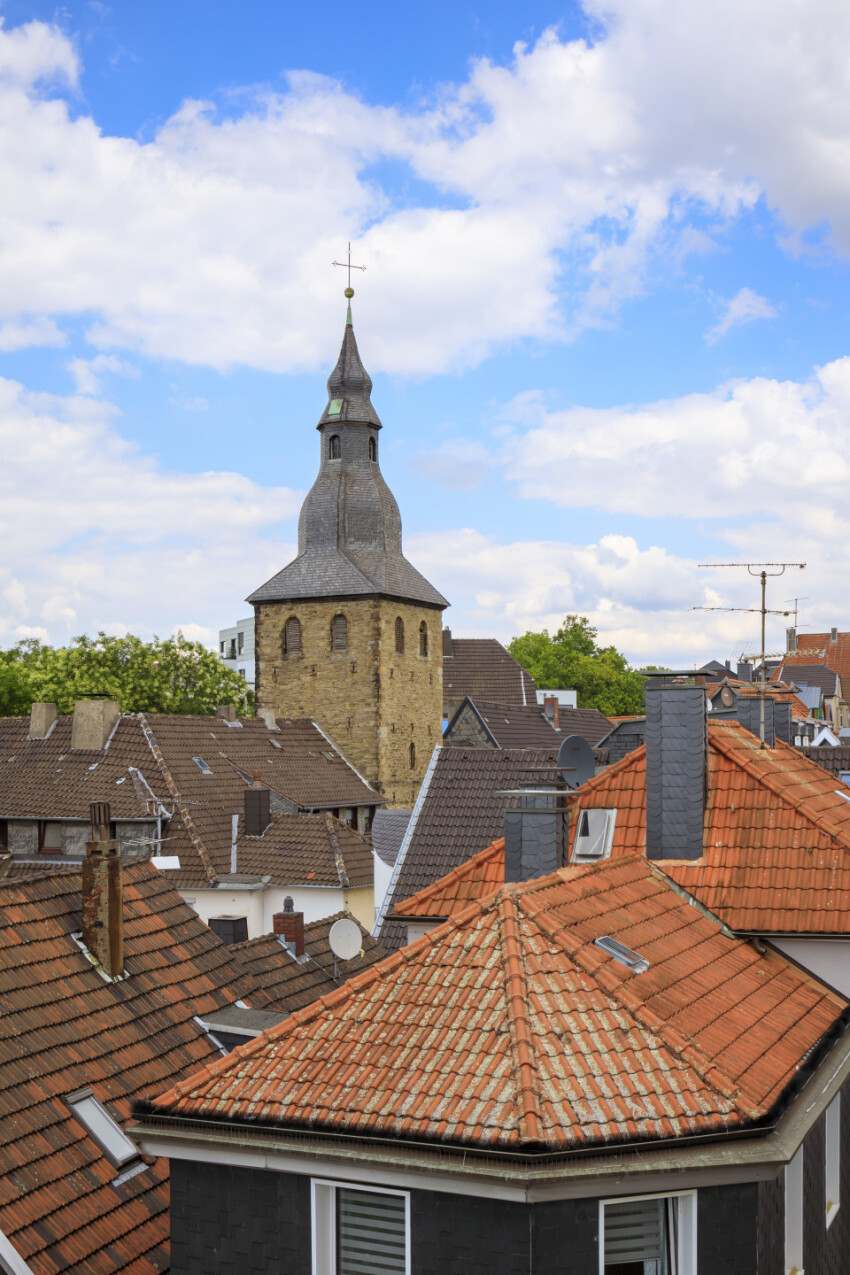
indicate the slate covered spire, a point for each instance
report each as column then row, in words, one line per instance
column 349, row 529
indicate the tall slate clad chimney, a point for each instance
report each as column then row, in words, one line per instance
column 533, row 837
column 790, row 640
column 748, row 713
column 745, row 672
column 103, row 894
column 257, row 807
column 676, row 770
column 782, row 720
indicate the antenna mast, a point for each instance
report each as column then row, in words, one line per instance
column 760, row 570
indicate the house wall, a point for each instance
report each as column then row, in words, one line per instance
column 259, row 1223
column 361, row 904
column 829, row 959
column 468, row 726
column 260, row 905
column 370, row 700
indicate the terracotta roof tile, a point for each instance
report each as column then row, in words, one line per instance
column 507, row 1027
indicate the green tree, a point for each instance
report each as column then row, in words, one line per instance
column 572, row 659
column 167, row 675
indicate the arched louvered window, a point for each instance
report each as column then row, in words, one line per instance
column 292, row 636
column 399, row 635
column 423, row 638
column 339, row 633
column 373, row 449
column 334, row 447
column 412, row 752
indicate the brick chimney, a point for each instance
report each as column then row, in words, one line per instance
column 289, row 925
column 676, row 770
column 103, row 894
column 94, row 721
column 42, row 717
column 257, row 806
column 551, row 707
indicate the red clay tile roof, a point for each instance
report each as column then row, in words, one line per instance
column 471, row 881
column 508, row 1027
column 818, row 648
column 62, row 1027
column 777, row 834
column 482, row 667
column 291, row 985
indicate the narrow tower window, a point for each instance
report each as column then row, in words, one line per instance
column 412, row 756
column 292, row 636
column 399, row 635
column 423, row 638
column 373, row 449
column 339, row 633
column 334, row 447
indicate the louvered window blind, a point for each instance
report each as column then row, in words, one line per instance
column 370, row 1233
column 636, row 1237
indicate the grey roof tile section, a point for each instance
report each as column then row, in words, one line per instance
column 831, row 758
column 459, row 814
column 349, row 528
column 513, row 726
column 482, row 669
column 825, row 679
column 388, row 829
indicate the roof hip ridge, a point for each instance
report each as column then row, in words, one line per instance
column 516, row 993
column 188, row 822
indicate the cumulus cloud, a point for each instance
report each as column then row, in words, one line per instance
column 573, row 167
column 88, row 373
column 101, row 536
column 744, row 307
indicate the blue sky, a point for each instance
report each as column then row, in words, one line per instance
column 605, row 308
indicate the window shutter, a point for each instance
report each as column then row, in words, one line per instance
column 339, row 633
column 371, row 1233
column 634, row 1232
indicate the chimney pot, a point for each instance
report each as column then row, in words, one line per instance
column 257, row 778
column 42, row 717
column 551, row 707
column 103, row 894
column 94, row 721
column 289, row 925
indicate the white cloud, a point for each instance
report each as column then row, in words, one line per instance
column 87, row 373
column 19, row 334
column 549, row 186
column 744, row 307
column 96, row 529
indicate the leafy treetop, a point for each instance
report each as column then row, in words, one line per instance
column 572, row 658
column 167, row 675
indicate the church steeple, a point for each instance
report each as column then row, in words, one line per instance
column 349, row 386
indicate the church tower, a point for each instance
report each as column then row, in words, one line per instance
column 349, row 633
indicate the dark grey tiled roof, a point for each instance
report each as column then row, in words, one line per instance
column 388, row 829
column 825, row 679
column 515, row 727
column 483, row 669
column 458, row 814
column 349, row 529
column 831, row 758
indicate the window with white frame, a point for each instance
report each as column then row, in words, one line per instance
column 106, row 1132
column 649, row 1235
column 833, row 1158
column 594, row 835
column 360, row 1230
column 794, row 1215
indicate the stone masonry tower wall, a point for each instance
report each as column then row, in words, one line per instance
column 349, row 633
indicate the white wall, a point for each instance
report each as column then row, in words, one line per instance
column 260, row 905
column 382, row 879
column 569, row 699
column 829, row 959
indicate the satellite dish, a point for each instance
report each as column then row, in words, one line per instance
column 345, row 939
column 727, row 695
column 576, row 761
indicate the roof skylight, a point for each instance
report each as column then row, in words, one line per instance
column 109, row 1135
column 202, row 765
column 636, row 963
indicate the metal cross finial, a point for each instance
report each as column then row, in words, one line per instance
column 349, row 266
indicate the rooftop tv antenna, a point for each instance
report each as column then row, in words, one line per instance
column 761, row 571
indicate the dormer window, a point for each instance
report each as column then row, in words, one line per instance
column 373, row 449
column 335, row 407
column 334, row 447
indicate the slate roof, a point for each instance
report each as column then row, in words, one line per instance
column 62, row 1027
column 290, row 984
column 508, row 1028
column 483, row 669
column 349, row 528
column 388, row 829
column 298, row 849
column 776, row 840
column 457, row 813
column 774, row 690
column 825, row 679
column 512, row 726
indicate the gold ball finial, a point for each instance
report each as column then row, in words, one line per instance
column 349, row 292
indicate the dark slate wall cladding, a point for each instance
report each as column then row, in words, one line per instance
column 771, row 1226
column 469, row 1235
column 227, row 1221
column 565, row 1237
column 727, row 1230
